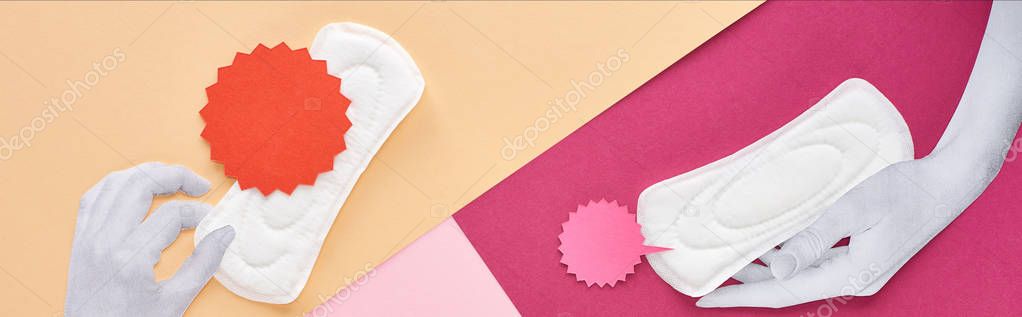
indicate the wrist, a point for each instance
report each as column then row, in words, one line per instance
column 968, row 160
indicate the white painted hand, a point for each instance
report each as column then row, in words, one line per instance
column 893, row 214
column 889, row 217
column 114, row 250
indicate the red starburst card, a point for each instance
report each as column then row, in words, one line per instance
column 275, row 118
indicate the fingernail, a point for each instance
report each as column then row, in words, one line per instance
column 203, row 188
column 228, row 233
column 784, row 265
column 224, row 235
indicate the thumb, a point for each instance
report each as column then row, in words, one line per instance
column 830, row 279
column 843, row 218
column 204, row 261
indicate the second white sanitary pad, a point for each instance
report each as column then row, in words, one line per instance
column 720, row 217
column 278, row 237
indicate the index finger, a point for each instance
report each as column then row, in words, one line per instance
column 815, row 283
column 163, row 179
column 140, row 184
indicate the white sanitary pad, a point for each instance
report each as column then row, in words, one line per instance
column 722, row 216
column 279, row 236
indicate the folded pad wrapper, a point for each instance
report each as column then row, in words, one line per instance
column 722, row 216
column 279, row 236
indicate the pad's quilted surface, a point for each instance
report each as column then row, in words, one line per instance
column 279, row 236
column 722, row 216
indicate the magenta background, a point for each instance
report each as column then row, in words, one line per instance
column 746, row 82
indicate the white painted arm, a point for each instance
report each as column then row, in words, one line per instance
column 893, row 214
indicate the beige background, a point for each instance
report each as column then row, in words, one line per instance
column 490, row 69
